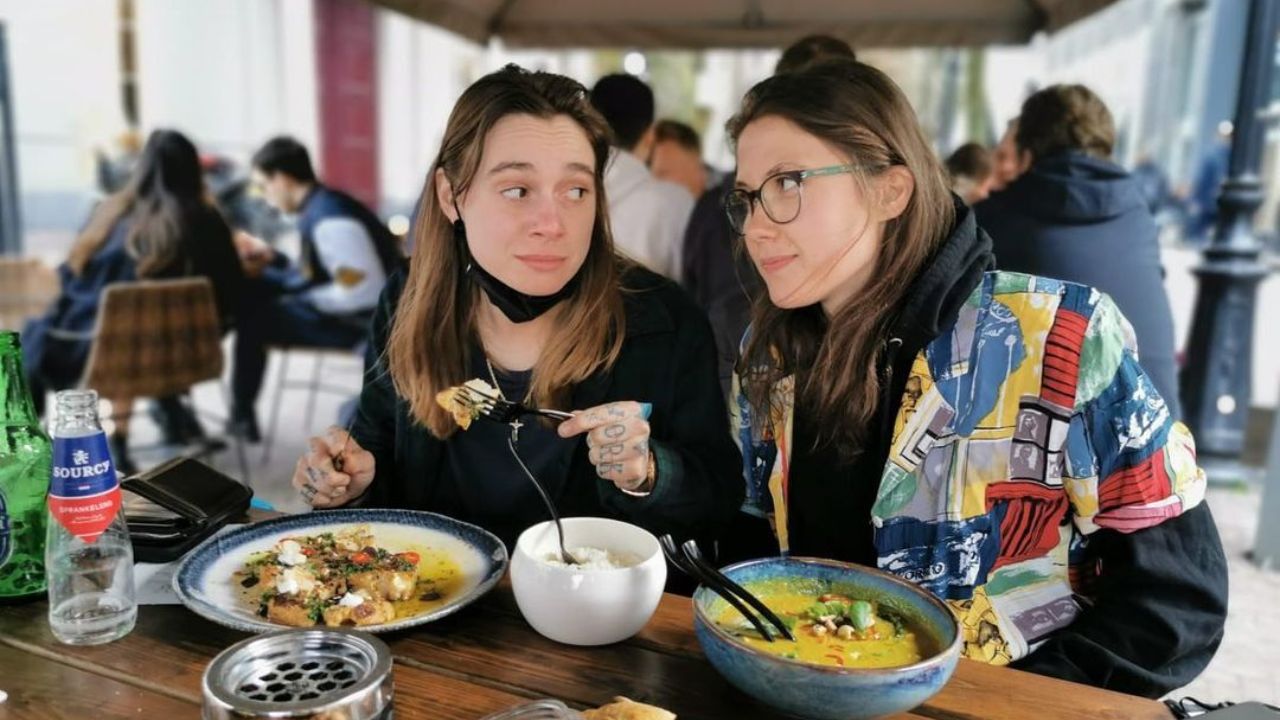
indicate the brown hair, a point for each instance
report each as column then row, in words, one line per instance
column 859, row 110
column 434, row 325
column 1066, row 117
column 163, row 196
column 810, row 50
column 971, row 160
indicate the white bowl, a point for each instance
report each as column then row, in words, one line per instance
column 575, row 606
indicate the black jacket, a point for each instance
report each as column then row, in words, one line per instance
column 719, row 274
column 668, row 359
column 1085, row 220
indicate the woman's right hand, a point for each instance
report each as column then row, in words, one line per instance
column 326, row 484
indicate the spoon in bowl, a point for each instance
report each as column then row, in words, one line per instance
column 546, row 499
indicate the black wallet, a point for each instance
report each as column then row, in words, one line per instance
column 172, row 507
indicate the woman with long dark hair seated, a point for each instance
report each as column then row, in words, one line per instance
column 514, row 281
column 161, row 225
column 988, row 436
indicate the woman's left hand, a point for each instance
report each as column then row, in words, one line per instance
column 618, row 439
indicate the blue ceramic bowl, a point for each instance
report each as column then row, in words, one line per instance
column 827, row 692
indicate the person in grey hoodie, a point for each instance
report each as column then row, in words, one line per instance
column 1075, row 215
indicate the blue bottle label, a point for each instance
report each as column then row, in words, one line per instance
column 84, row 494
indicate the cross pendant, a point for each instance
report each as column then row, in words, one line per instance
column 515, row 429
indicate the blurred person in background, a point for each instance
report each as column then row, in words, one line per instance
column 969, row 168
column 1004, row 159
column 1075, row 215
column 325, row 300
column 160, row 225
column 1212, row 172
column 676, row 156
column 648, row 215
column 720, row 278
column 240, row 202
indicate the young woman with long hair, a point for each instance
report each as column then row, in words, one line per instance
column 989, row 436
column 162, row 224
column 514, row 281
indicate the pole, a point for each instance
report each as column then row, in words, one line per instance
column 1216, row 383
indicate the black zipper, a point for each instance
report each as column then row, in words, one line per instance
column 892, row 346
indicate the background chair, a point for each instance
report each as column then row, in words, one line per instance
column 155, row 339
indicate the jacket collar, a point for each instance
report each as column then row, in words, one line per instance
column 934, row 300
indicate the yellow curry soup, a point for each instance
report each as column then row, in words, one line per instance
column 831, row 629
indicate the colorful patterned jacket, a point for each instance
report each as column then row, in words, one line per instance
column 1025, row 428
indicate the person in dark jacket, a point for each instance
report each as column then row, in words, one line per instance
column 1074, row 215
column 988, row 436
column 514, row 281
column 324, row 301
column 1207, row 186
column 160, row 225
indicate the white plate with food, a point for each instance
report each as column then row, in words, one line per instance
column 375, row 570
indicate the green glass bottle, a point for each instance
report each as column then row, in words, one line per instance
column 25, row 459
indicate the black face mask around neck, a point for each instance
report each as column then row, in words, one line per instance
column 515, row 305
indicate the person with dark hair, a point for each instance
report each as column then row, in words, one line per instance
column 648, row 215
column 988, row 436
column 328, row 298
column 969, row 168
column 676, row 156
column 283, row 161
column 159, row 225
column 514, row 280
column 810, row 50
column 1075, row 215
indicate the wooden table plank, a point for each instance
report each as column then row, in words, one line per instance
column 170, row 648
column 42, row 689
column 487, row 658
column 976, row 690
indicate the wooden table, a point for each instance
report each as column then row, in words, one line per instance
column 484, row 659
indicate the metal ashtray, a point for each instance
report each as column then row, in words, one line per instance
column 328, row 674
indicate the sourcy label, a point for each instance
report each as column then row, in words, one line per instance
column 84, row 494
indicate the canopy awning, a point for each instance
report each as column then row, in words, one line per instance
column 696, row 24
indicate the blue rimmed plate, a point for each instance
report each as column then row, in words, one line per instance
column 205, row 583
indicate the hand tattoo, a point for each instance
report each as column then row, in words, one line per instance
column 606, row 469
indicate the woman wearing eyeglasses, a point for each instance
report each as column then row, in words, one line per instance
column 986, row 435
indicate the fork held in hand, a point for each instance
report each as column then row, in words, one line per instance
column 338, row 459
column 502, row 410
